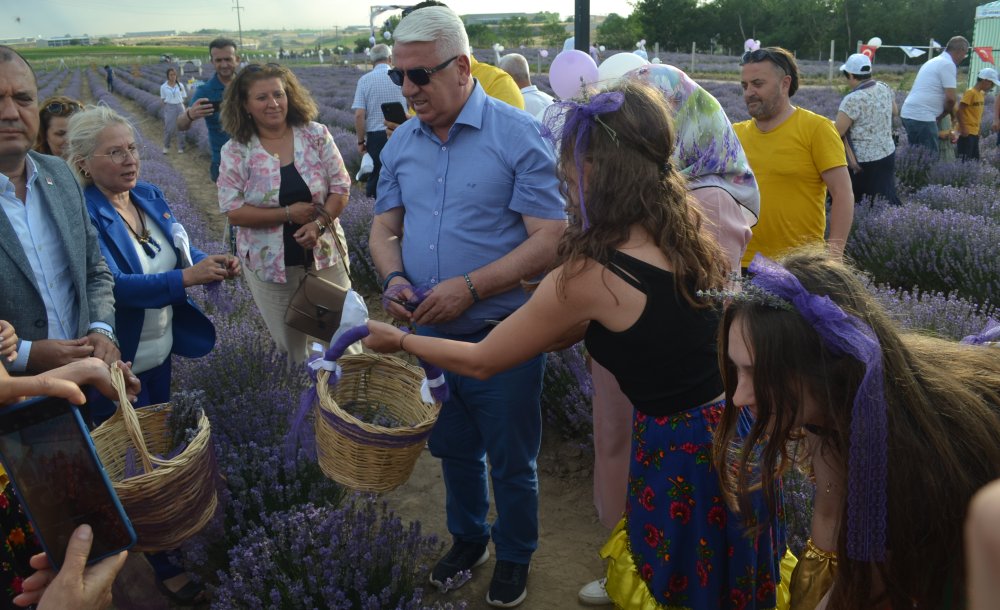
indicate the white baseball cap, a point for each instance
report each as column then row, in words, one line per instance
column 857, row 64
column 991, row 75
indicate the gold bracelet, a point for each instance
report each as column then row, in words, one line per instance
column 401, row 338
column 288, row 215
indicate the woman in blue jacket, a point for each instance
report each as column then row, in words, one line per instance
column 153, row 265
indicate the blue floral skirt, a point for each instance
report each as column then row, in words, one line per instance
column 680, row 545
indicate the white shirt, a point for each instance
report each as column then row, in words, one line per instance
column 157, row 337
column 173, row 95
column 535, row 101
column 926, row 99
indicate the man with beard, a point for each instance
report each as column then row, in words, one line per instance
column 796, row 156
column 205, row 103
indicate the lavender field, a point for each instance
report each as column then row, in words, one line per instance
column 287, row 537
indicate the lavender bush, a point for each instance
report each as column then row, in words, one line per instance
column 567, row 393
column 359, row 556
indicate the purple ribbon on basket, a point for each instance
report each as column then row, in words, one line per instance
column 989, row 334
column 327, row 362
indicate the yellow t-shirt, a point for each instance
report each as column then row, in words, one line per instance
column 971, row 114
column 498, row 84
column 788, row 162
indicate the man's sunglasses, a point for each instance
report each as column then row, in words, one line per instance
column 759, row 55
column 417, row 76
column 63, row 108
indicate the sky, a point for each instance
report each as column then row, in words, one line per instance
column 31, row 18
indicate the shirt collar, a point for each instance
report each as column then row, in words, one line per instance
column 382, row 67
column 529, row 89
column 471, row 113
column 30, row 171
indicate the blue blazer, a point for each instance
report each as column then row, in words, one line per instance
column 194, row 333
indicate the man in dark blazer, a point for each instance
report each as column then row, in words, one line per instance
column 55, row 287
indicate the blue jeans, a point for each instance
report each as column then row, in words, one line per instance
column 499, row 419
column 922, row 133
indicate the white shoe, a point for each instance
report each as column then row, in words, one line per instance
column 594, row 594
column 165, row 150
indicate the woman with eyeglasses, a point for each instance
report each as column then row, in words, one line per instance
column 153, row 266
column 53, row 119
column 283, row 183
column 173, row 94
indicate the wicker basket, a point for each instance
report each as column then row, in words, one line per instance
column 360, row 455
column 173, row 502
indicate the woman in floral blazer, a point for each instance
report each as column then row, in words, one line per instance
column 283, row 183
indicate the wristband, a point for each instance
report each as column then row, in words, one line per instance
column 403, row 336
column 472, row 289
column 390, row 277
column 107, row 333
column 288, row 215
column 187, row 112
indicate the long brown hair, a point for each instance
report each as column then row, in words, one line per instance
column 631, row 182
column 942, row 398
column 235, row 120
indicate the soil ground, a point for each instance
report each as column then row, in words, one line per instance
column 570, row 535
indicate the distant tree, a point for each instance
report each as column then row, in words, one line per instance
column 360, row 44
column 515, row 31
column 480, row 35
column 553, row 33
column 545, row 17
column 619, row 32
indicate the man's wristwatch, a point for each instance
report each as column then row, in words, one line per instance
column 107, row 333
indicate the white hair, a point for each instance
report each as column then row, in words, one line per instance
column 438, row 24
column 381, row 52
column 517, row 66
column 82, row 131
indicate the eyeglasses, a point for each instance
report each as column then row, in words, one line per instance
column 417, row 76
column 63, row 108
column 759, row 55
column 118, row 155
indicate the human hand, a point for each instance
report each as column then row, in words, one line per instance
column 94, row 372
column 307, row 235
column 854, row 166
column 362, row 149
column 8, row 341
column 103, row 347
column 445, row 302
column 389, row 127
column 302, row 212
column 398, row 292
column 212, row 268
column 201, row 109
column 47, row 354
column 383, row 338
column 232, row 266
column 76, row 585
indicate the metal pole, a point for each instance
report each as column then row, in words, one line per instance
column 581, row 26
column 830, row 76
column 694, row 47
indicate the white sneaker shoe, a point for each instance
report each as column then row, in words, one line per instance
column 594, row 594
column 165, row 150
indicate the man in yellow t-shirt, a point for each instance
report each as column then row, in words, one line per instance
column 796, row 156
column 970, row 113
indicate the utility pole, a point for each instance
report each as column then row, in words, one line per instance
column 239, row 22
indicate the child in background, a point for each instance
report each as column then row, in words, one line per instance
column 946, row 152
column 970, row 113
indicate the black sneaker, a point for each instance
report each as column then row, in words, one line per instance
column 509, row 586
column 462, row 557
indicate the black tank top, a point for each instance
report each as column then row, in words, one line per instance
column 293, row 189
column 667, row 361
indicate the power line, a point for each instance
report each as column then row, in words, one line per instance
column 239, row 22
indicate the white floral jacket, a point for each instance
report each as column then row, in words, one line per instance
column 249, row 175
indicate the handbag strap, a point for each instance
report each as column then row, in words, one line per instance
column 328, row 221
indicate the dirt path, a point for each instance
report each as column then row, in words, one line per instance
column 570, row 535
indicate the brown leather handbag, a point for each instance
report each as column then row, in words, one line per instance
column 316, row 306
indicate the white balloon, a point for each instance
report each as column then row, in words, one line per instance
column 499, row 48
column 602, row 49
column 544, row 52
column 372, row 40
column 875, row 42
column 616, row 66
column 655, row 60
column 387, row 35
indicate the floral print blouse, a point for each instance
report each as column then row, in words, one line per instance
column 249, row 175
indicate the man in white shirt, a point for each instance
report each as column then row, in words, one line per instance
column 535, row 101
column 933, row 95
column 373, row 90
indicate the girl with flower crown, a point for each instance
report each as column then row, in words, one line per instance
column 900, row 431
column 631, row 263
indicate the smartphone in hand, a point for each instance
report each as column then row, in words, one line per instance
column 52, row 464
column 394, row 112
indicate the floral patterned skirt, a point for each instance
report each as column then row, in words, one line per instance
column 16, row 547
column 679, row 545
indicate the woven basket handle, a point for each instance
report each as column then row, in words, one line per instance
column 130, row 419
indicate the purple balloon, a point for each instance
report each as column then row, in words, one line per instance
column 571, row 72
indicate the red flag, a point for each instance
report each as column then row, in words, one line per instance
column 984, row 53
column 869, row 50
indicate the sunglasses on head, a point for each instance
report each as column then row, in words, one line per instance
column 63, row 108
column 417, row 76
column 259, row 67
column 759, row 55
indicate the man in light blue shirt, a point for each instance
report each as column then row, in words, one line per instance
column 55, row 287
column 374, row 89
column 469, row 206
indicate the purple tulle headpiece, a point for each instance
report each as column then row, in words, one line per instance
column 990, row 334
column 568, row 117
column 867, row 460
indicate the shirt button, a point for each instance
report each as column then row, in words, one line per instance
column 444, row 148
column 435, row 212
column 434, row 280
column 432, row 246
column 439, row 180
